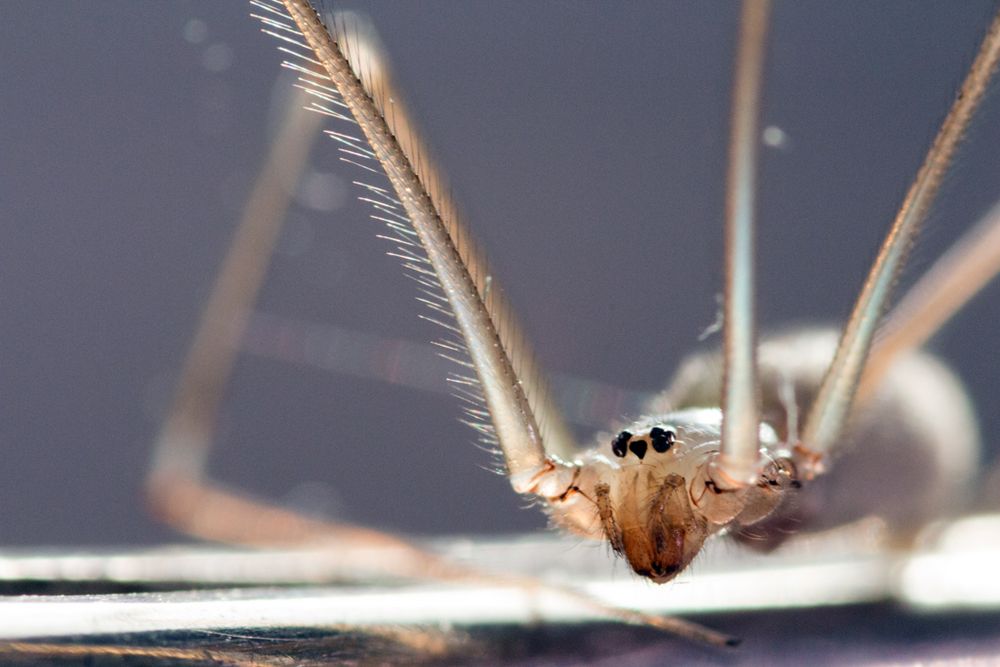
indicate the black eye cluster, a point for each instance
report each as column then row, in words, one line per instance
column 661, row 440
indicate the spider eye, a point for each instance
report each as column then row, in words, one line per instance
column 662, row 439
column 620, row 444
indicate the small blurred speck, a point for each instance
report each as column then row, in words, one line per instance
column 775, row 137
column 195, row 31
column 217, row 57
column 321, row 191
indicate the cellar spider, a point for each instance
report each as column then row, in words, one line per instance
column 707, row 318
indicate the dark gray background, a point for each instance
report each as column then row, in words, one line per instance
column 587, row 144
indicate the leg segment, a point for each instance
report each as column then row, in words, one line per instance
column 837, row 392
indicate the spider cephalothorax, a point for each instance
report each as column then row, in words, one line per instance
column 656, row 508
column 655, row 501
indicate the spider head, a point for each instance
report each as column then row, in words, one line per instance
column 655, row 499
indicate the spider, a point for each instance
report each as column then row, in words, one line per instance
column 736, row 469
column 634, row 327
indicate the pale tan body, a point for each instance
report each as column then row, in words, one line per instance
column 909, row 455
column 901, row 458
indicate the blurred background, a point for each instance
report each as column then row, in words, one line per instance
column 586, row 143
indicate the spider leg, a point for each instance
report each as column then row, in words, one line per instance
column 182, row 445
column 737, row 463
column 178, row 488
column 511, row 402
column 176, row 484
column 958, row 275
column 831, row 407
